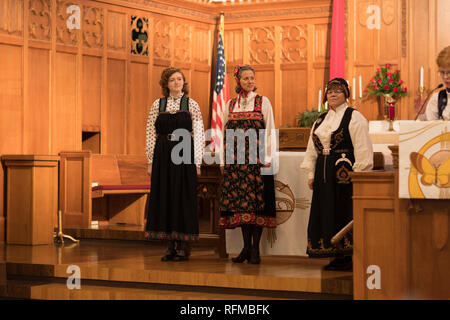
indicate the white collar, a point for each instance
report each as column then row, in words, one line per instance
column 339, row 108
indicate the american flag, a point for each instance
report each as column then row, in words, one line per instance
column 221, row 93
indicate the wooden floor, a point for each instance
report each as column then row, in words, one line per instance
column 112, row 269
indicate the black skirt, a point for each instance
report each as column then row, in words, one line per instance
column 172, row 210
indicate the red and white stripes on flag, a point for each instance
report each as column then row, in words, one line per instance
column 220, row 95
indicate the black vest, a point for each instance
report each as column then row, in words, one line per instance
column 442, row 102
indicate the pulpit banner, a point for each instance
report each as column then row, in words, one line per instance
column 293, row 201
column 424, row 160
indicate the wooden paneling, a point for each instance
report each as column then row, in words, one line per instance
column 137, row 109
column 200, row 80
column 36, row 112
column 65, row 127
column 11, row 17
column 92, row 92
column 293, row 95
column 115, row 114
column 11, row 103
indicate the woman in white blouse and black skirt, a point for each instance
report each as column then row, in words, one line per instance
column 339, row 143
column 172, row 210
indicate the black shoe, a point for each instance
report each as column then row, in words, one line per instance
column 169, row 256
column 180, row 258
column 244, row 255
column 254, row 257
column 170, row 252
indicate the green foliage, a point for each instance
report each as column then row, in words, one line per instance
column 307, row 118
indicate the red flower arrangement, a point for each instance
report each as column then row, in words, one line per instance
column 386, row 82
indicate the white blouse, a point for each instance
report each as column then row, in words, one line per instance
column 359, row 133
column 173, row 105
column 432, row 108
column 246, row 105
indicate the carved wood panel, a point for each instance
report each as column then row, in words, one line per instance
column 139, row 35
column 11, row 17
column 93, row 27
column 262, row 45
column 183, row 43
column 64, row 35
column 40, row 24
column 161, row 40
column 294, row 44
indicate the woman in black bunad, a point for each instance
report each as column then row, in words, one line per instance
column 172, row 210
column 339, row 143
column 248, row 196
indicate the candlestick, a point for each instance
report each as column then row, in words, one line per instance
column 320, row 100
column 360, row 86
column 353, row 89
column 421, row 78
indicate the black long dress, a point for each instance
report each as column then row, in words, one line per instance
column 172, row 210
column 331, row 206
column 247, row 196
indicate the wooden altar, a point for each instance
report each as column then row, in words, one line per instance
column 403, row 242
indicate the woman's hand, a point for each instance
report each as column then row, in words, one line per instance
column 310, row 183
column 149, row 169
column 267, row 165
column 199, row 171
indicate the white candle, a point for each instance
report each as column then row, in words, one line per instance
column 320, row 100
column 353, row 89
column 360, row 86
column 421, row 78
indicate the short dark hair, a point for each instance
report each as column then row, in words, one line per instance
column 165, row 75
column 238, row 75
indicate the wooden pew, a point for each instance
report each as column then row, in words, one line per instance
column 119, row 193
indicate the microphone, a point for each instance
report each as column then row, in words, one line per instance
column 426, row 99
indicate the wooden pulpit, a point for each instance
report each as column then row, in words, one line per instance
column 31, row 198
column 401, row 246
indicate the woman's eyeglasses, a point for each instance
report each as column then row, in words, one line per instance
column 444, row 73
column 335, row 91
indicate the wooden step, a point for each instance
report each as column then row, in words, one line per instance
column 56, row 289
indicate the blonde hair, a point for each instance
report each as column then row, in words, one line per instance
column 443, row 58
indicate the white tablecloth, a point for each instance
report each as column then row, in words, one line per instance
column 293, row 199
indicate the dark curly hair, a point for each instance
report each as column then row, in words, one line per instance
column 165, row 75
column 238, row 74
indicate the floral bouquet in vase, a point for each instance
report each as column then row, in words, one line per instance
column 389, row 85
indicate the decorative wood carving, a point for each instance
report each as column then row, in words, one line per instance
column 161, row 42
column 64, row 35
column 262, row 45
column 11, row 17
column 40, row 24
column 139, row 35
column 116, row 30
column 93, row 27
column 388, row 11
column 294, row 44
column 362, row 12
column 183, row 43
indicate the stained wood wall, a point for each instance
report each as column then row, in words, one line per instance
column 58, row 83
